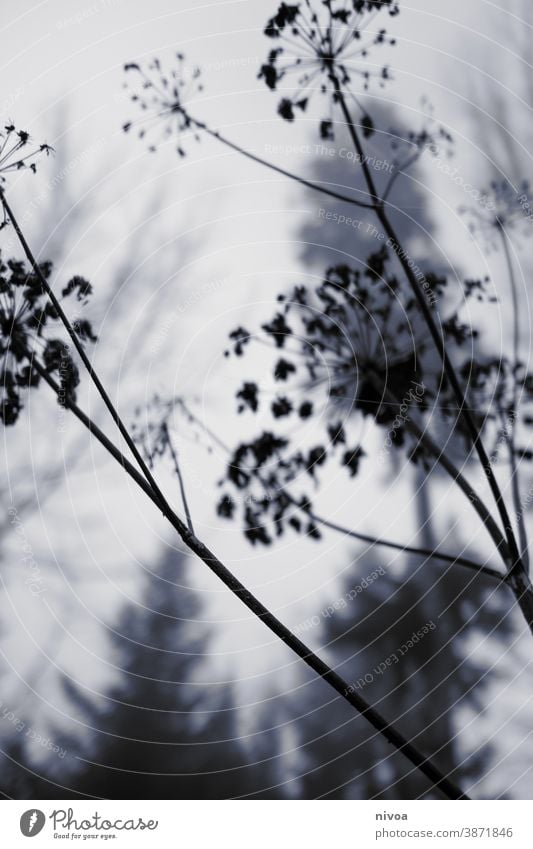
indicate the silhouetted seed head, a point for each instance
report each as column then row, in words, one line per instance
column 17, row 151
column 26, row 318
column 318, row 42
column 502, row 209
column 163, row 95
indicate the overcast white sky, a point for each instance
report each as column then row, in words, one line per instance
column 221, row 219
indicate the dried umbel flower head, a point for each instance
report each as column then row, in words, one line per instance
column 17, row 151
column 26, row 317
column 163, row 94
column 320, row 42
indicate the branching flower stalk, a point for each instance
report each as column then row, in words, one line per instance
column 320, row 667
column 510, row 423
column 323, row 44
column 42, row 364
column 514, row 563
column 78, row 346
column 455, row 560
column 330, row 62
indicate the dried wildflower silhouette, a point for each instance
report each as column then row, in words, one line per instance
column 17, row 152
column 163, row 94
column 499, row 224
column 150, row 429
column 354, row 347
column 322, row 43
column 26, row 316
column 334, row 74
column 332, row 18
column 152, row 433
column 506, row 210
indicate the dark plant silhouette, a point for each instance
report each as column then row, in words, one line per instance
column 26, row 349
column 367, row 331
column 147, row 483
column 17, row 151
column 315, row 40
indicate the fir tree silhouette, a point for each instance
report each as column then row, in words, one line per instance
column 161, row 733
column 166, row 735
column 426, row 691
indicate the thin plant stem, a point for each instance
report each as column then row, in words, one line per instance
column 310, row 184
column 515, row 561
column 174, row 456
column 79, row 348
column 517, row 579
column 319, row 666
column 510, row 426
column 335, row 526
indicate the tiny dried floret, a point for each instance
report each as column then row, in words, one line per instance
column 26, row 318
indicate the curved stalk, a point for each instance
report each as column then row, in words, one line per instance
column 425, row 552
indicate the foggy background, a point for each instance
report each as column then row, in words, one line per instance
column 131, row 659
